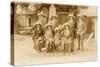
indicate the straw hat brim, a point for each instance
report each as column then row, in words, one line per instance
column 66, row 24
column 53, row 17
column 48, row 25
column 44, row 15
column 38, row 23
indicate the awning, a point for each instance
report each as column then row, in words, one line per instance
column 90, row 11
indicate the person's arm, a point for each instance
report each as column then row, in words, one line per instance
column 34, row 34
column 85, row 28
column 31, row 30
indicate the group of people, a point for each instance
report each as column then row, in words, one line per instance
column 53, row 37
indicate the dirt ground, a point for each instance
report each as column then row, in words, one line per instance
column 26, row 55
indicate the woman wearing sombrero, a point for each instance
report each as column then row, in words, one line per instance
column 38, row 36
column 49, row 37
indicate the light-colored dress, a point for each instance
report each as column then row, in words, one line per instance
column 49, row 37
column 57, row 40
column 67, row 38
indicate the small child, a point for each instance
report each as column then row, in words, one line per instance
column 67, row 38
column 57, row 38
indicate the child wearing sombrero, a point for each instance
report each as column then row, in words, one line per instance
column 49, row 37
column 67, row 38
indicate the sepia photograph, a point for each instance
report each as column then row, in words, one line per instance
column 48, row 33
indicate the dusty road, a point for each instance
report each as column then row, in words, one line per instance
column 25, row 55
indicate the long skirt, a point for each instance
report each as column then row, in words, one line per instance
column 58, row 46
column 50, row 45
column 67, row 44
column 39, row 43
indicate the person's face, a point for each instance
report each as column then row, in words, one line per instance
column 54, row 18
column 70, row 18
column 40, row 17
column 49, row 27
column 80, row 19
column 38, row 27
column 45, row 20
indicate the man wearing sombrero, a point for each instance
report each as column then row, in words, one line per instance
column 81, row 30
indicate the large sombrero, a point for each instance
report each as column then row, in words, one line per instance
column 52, row 12
column 66, row 24
column 37, row 23
column 49, row 24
